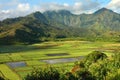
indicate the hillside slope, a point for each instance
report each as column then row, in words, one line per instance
column 38, row 27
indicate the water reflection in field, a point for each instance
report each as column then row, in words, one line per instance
column 16, row 64
column 63, row 60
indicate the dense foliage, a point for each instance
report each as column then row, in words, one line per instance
column 44, row 74
column 37, row 27
column 95, row 66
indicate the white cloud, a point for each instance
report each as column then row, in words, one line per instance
column 5, row 14
column 114, row 5
column 83, row 6
column 5, row 11
column 78, row 4
column 15, row 8
column 66, row 5
column 51, row 6
column 23, row 7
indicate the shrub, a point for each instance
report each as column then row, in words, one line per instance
column 84, row 74
column 44, row 74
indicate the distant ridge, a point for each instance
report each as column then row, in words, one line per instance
column 37, row 27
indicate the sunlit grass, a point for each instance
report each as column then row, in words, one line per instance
column 8, row 73
column 35, row 63
column 33, row 54
column 39, row 51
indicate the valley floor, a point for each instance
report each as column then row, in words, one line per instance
column 25, row 58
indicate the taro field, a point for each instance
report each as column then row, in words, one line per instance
column 16, row 61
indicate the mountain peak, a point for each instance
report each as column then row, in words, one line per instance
column 38, row 16
column 102, row 10
column 64, row 12
column 35, row 14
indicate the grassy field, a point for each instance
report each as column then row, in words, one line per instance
column 32, row 54
column 8, row 73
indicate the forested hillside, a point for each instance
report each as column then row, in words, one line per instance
column 50, row 25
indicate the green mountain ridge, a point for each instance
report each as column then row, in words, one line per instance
column 38, row 26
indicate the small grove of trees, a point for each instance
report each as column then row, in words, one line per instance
column 95, row 66
column 51, row 73
column 44, row 74
column 95, row 56
column 84, row 74
column 103, row 67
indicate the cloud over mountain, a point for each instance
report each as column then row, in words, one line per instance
column 114, row 5
column 15, row 8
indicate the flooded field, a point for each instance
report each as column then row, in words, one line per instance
column 16, row 64
column 63, row 60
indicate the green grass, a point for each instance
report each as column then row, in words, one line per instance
column 4, row 58
column 39, row 51
column 27, row 68
column 34, row 63
column 32, row 54
column 8, row 73
column 23, row 71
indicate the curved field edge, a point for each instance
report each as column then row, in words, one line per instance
column 32, row 54
column 41, row 51
column 8, row 73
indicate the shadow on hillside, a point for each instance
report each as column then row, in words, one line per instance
column 22, row 48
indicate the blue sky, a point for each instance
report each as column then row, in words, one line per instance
column 60, row 1
column 37, row 2
column 15, row 8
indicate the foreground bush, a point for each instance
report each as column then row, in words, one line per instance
column 96, row 66
column 95, row 56
column 44, row 74
column 83, row 74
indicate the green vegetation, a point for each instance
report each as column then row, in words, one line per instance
column 46, row 74
column 30, row 40
column 8, row 73
column 103, row 25
column 33, row 55
column 37, row 52
column 96, row 66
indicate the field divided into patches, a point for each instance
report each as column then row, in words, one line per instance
column 32, row 55
column 19, row 73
